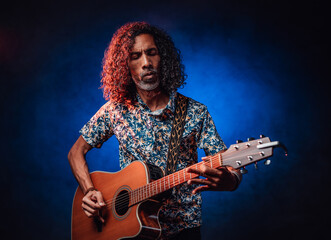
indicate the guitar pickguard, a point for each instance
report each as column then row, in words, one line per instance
column 155, row 172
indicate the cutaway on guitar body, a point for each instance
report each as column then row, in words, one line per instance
column 124, row 217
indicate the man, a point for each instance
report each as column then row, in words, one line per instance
column 142, row 71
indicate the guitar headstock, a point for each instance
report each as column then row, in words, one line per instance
column 242, row 154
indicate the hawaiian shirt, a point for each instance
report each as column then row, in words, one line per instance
column 144, row 135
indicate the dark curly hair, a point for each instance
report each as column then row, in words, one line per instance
column 116, row 79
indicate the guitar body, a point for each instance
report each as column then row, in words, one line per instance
column 121, row 222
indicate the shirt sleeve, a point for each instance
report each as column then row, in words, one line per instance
column 210, row 141
column 98, row 129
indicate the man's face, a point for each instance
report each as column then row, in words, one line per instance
column 144, row 63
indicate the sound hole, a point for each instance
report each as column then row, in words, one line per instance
column 122, row 202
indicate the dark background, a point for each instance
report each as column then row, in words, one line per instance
column 259, row 66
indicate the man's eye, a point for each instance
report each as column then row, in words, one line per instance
column 152, row 52
column 134, row 56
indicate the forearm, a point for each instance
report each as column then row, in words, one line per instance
column 80, row 171
column 78, row 164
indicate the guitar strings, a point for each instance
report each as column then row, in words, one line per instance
column 135, row 194
column 141, row 193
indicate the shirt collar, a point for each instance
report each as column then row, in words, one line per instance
column 170, row 107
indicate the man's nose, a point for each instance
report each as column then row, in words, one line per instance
column 146, row 61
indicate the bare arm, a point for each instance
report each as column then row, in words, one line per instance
column 78, row 163
column 93, row 200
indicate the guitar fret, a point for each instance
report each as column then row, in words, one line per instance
column 143, row 192
column 149, row 191
column 138, row 194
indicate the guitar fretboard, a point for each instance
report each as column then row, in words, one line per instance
column 172, row 180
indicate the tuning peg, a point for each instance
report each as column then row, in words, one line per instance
column 250, row 139
column 267, row 162
column 239, row 141
column 243, row 170
column 262, row 136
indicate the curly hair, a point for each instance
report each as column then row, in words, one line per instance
column 117, row 82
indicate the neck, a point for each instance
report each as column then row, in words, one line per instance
column 155, row 99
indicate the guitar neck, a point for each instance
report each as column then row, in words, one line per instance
column 172, row 180
column 237, row 156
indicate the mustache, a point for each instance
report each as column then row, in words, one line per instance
column 148, row 72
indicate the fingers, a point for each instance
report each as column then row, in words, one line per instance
column 200, row 189
column 92, row 204
column 94, row 199
column 90, row 212
column 206, row 171
column 215, row 179
column 99, row 199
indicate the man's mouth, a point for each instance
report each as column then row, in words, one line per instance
column 149, row 74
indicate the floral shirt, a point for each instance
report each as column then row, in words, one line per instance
column 144, row 135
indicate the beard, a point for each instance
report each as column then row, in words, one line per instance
column 148, row 80
column 148, row 85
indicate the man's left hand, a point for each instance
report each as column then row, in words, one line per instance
column 214, row 179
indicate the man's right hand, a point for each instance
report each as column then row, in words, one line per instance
column 93, row 203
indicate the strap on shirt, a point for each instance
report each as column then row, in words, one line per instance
column 176, row 132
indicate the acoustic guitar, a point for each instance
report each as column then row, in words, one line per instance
column 131, row 210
